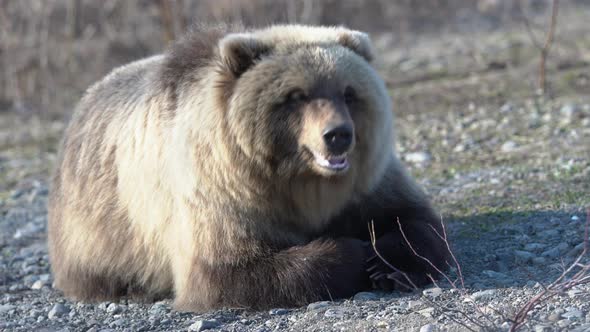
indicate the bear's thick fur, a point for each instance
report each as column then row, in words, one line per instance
column 239, row 169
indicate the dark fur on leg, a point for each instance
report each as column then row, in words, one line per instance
column 397, row 199
column 321, row 270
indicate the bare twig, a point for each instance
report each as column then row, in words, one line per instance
column 546, row 46
column 559, row 285
column 411, row 284
column 436, row 268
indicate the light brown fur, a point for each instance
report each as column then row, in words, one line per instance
column 163, row 186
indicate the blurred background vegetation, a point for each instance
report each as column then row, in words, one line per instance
column 51, row 50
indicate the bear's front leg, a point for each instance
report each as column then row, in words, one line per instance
column 323, row 269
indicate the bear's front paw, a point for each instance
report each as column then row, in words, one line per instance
column 383, row 277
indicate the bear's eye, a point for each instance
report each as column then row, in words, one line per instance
column 295, row 96
column 350, row 95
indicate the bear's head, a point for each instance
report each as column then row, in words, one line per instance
column 305, row 102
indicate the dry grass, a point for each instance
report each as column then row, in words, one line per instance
column 52, row 50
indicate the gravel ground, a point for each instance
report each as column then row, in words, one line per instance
column 509, row 170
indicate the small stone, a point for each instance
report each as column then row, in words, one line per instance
column 202, row 325
column 550, row 233
column 494, row 274
column 573, row 314
column 542, row 328
column 118, row 323
column 563, row 323
column 427, row 312
column 428, row 328
column 575, row 218
column 159, row 308
column 575, row 292
column 382, row 325
column 534, row 246
column 114, row 308
column 508, row 146
column 506, row 108
column 483, row 295
column 413, row 304
column 577, row 250
column 568, row 110
column 562, row 247
column 417, row 157
column 554, row 317
column 523, row 256
column 365, row 296
column 551, row 253
column 539, row 261
column 38, row 284
column 6, row 308
column 57, row 311
column 318, row 305
column 432, row 292
column 334, row 313
column 278, row 312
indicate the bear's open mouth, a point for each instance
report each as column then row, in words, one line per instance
column 334, row 163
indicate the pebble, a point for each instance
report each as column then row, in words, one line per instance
column 575, row 292
column 382, row 325
column 334, row 313
column 551, row 253
column 114, row 308
column 57, row 311
column 483, row 295
column 278, row 312
column 495, row 274
column 432, row 292
column 554, row 316
column 573, row 314
column 508, row 146
column 413, row 304
column 38, row 284
column 543, row 328
column 563, row 323
column 534, row 246
column 427, row 312
column 550, row 233
column 118, row 323
column 575, row 251
column 6, row 308
column 417, row 157
column 318, row 305
column 428, row 328
column 365, row 296
column 523, row 256
column 568, row 110
column 202, row 325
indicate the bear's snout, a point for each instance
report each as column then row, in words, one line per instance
column 338, row 137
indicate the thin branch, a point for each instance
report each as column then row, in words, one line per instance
column 374, row 244
column 422, row 257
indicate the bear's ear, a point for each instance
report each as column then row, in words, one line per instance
column 238, row 52
column 357, row 41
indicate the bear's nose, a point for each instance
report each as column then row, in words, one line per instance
column 338, row 138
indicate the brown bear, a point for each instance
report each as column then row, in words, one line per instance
column 239, row 169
